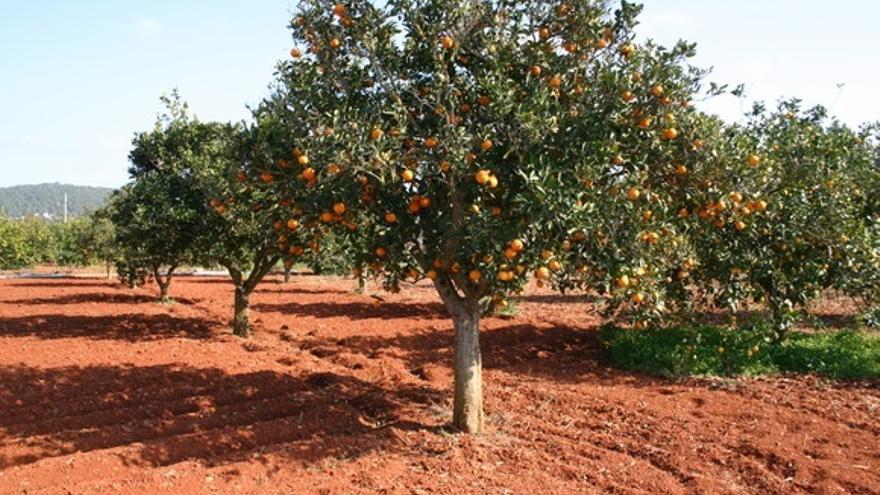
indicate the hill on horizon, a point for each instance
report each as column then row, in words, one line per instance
column 48, row 199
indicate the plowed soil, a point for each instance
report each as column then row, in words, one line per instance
column 104, row 391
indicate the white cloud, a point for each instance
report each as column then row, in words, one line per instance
column 145, row 27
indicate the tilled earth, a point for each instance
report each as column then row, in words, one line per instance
column 104, row 391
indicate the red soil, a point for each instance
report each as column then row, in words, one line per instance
column 104, row 391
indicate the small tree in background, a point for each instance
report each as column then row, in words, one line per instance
column 784, row 211
column 14, row 249
column 243, row 214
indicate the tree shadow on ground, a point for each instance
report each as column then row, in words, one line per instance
column 135, row 327
column 357, row 310
column 161, row 415
column 291, row 289
column 59, row 282
column 94, row 297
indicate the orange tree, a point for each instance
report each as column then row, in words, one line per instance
column 784, row 212
column 475, row 143
column 242, row 213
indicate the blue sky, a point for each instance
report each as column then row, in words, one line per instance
column 77, row 79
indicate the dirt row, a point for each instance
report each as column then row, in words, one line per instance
column 104, row 391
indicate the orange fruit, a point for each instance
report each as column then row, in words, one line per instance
column 617, row 160
column 486, row 145
column 735, row 197
column 424, row 202
column 431, row 143
column 295, row 52
column 555, row 81
column 753, row 160
column 447, row 42
column 542, row 273
column 339, row 208
column 683, row 213
column 645, row 122
column 740, row 225
column 444, row 166
column 681, row 170
column 267, row 177
column 554, row 265
column 292, row 224
column 623, row 281
column 601, row 43
column 474, row 276
column 493, row 182
column 308, row 174
column 390, row 217
column 627, row 96
column 431, row 274
column 303, row 160
column 633, row 194
column 637, row 298
column 670, row 134
column 544, row 33
column 484, row 101
column 339, row 10
column 407, row 175
column 335, row 43
column 482, row 176
column 535, row 70
column 380, row 251
column 510, row 253
column 657, row 90
column 517, row 245
column 627, row 49
column 376, row 134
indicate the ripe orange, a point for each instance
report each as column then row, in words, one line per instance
column 645, row 122
column 303, row 160
column 633, row 194
column 267, row 177
column 627, row 49
column 326, row 217
column 334, row 168
column 376, row 134
column 740, row 225
column 623, row 281
column 380, row 251
column 339, row 10
column 535, row 70
column 431, row 143
column 339, row 208
column 555, row 81
column 510, row 253
column 482, row 176
column 753, row 160
column 493, row 182
column 554, row 265
column 431, row 274
column 542, row 273
column 683, row 213
column 308, row 174
column 295, row 52
column 760, row 205
column 657, row 90
column 407, row 175
column 447, row 42
column 335, row 43
column 474, row 276
column 681, row 170
column 627, row 96
column 617, row 160
column 517, row 245
column 444, row 166
column 638, row 298
column 484, row 101
column 670, row 134
column 486, row 145
column 465, row 108
column 544, row 33
column 735, row 197
column 390, row 217
column 292, row 224
column 424, row 202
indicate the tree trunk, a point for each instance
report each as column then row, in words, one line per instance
column 362, row 285
column 241, row 324
column 109, row 266
column 467, row 414
column 163, row 291
column 286, row 275
column 467, row 409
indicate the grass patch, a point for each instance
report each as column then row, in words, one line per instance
column 710, row 350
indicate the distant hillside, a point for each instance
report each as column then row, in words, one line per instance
column 48, row 199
